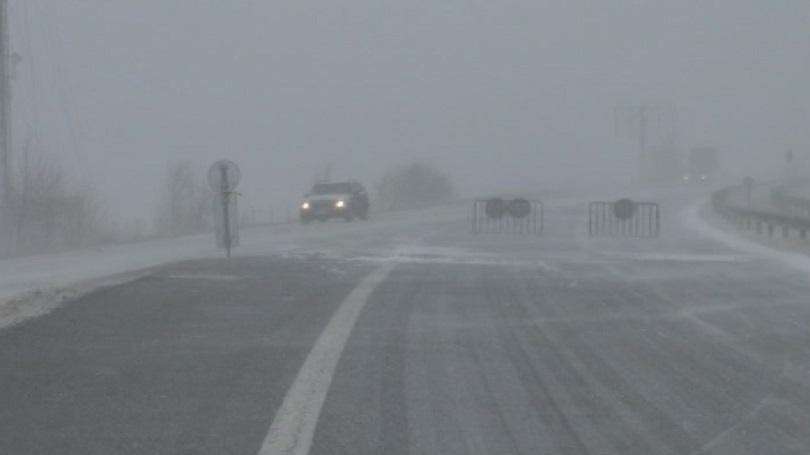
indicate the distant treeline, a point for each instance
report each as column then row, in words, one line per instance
column 185, row 202
column 413, row 185
column 45, row 211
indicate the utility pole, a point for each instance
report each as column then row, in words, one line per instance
column 789, row 164
column 642, row 125
column 6, row 161
column 642, row 144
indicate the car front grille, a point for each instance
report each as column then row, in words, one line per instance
column 319, row 206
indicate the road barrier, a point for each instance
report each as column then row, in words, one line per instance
column 624, row 218
column 788, row 203
column 516, row 216
column 790, row 213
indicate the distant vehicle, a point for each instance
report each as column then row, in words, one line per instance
column 347, row 200
column 701, row 166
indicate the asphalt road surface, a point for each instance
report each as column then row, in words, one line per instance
column 408, row 335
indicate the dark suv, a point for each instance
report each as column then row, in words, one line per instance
column 347, row 200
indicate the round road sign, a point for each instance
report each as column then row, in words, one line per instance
column 520, row 208
column 224, row 176
column 495, row 208
column 749, row 182
column 624, row 208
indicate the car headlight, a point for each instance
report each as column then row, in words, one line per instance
column 685, row 178
column 703, row 177
column 305, row 206
column 340, row 204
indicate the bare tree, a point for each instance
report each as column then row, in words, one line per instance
column 49, row 213
column 185, row 202
column 412, row 186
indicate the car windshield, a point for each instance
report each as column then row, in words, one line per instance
column 332, row 188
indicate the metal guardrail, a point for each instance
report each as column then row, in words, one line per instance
column 791, row 213
column 788, row 203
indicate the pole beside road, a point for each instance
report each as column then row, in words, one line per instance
column 6, row 162
column 223, row 178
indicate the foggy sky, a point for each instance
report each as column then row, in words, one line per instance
column 504, row 95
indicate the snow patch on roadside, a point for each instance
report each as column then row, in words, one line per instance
column 203, row 277
column 405, row 256
column 692, row 219
column 448, row 260
column 38, row 302
column 661, row 257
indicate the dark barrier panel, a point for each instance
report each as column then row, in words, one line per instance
column 624, row 218
column 517, row 216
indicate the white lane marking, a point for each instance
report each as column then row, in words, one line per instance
column 294, row 425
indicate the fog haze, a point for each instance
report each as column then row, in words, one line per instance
column 503, row 95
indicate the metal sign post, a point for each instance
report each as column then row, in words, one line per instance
column 225, row 200
column 223, row 178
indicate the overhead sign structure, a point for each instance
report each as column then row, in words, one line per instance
column 223, row 178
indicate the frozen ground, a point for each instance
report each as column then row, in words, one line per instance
column 793, row 252
column 33, row 286
column 407, row 334
column 65, row 274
